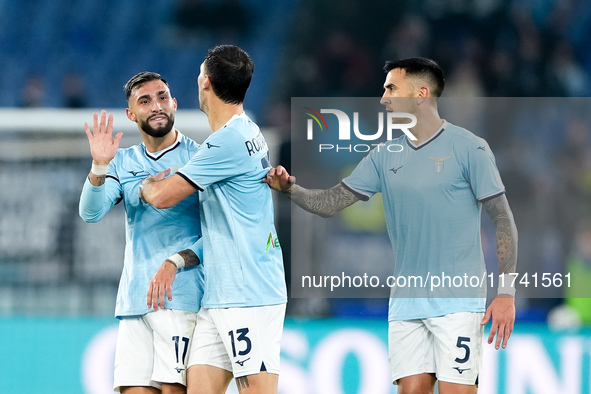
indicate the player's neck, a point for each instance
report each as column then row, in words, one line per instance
column 156, row 144
column 220, row 113
column 427, row 125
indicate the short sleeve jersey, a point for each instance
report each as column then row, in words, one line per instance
column 242, row 256
column 433, row 196
column 152, row 234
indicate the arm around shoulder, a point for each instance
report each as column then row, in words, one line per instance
column 165, row 193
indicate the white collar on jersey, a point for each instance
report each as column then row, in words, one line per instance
column 157, row 155
column 235, row 116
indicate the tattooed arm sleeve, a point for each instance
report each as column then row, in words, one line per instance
column 500, row 213
column 324, row 203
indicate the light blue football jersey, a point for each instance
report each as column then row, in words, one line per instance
column 152, row 234
column 242, row 257
column 433, row 197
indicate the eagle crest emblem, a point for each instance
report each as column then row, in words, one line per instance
column 439, row 163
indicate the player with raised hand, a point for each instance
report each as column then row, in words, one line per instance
column 433, row 204
column 152, row 343
column 239, row 327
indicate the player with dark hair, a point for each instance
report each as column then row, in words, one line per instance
column 152, row 346
column 239, row 327
column 433, row 205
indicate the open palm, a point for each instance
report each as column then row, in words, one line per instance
column 103, row 146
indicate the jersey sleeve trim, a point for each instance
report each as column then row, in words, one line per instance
column 358, row 194
column 113, row 177
column 194, row 184
column 490, row 197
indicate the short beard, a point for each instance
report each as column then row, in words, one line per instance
column 160, row 131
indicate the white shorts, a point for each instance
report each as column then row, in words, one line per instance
column 449, row 346
column 244, row 341
column 153, row 348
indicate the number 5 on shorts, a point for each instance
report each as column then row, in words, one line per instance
column 241, row 337
column 460, row 344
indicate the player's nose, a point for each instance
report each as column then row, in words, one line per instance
column 156, row 106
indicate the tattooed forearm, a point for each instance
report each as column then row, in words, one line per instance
column 500, row 213
column 191, row 259
column 242, row 382
column 322, row 202
column 96, row 180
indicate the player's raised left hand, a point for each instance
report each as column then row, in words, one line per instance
column 502, row 312
column 161, row 285
column 103, row 146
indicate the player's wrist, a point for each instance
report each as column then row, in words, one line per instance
column 506, row 285
column 177, row 260
column 289, row 191
column 99, row 169
column 141, row 189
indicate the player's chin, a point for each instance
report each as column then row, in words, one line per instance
column 158, row 123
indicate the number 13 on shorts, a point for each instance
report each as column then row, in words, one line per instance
column 241, row 336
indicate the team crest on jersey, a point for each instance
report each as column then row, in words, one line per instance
column 439, row 163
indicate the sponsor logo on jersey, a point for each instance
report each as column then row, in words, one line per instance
column 272, row 243
column 439, row 163
column 136, row 173
column 209, row 146
column 395, row 170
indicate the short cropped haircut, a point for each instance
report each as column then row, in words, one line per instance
column 423, row 68
column 230, row 70
column 139, row 79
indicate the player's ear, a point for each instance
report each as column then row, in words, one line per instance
column 175, row 105
column 206, row 82
column 131, row 116
column 424, row 91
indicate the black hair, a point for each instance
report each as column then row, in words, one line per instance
column 230, row 70
column 423, row 68
column 139, row 79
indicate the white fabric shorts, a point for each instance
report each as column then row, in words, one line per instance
column 449, row 346
column 244, row 341
column 153, row 348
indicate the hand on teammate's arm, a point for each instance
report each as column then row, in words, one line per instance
column 279, row 179
column 324, row 203
column 103, row 146
column 162, row 192
column 502, row 309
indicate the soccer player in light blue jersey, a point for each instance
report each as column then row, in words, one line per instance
column 239, row 327
column 433, row 192
column 152, row 343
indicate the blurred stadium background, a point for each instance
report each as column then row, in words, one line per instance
column 64, row 59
